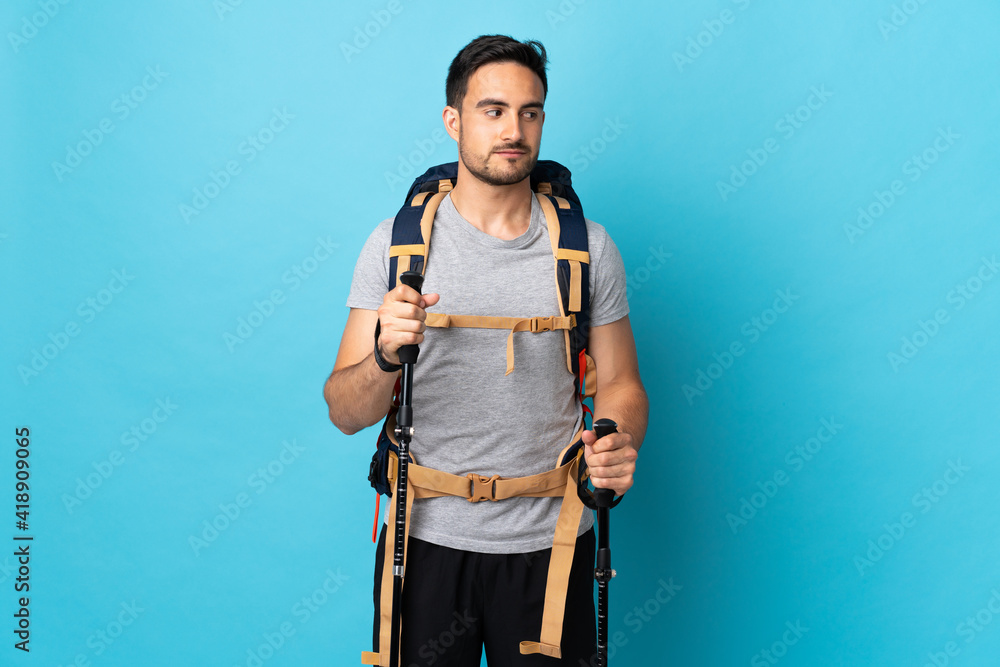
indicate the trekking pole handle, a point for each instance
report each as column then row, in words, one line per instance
column 603, row 427
column 408, row 353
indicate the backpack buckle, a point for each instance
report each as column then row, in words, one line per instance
column 541, row 324
column 482, row 487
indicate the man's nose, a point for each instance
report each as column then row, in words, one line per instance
column 512, row 130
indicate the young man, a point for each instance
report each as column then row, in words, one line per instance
column 476, row 572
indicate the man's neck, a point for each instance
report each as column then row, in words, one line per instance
column 502, row 211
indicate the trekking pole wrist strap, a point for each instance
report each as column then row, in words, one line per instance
column 379, row 359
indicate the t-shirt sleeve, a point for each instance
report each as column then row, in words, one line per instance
column 371, row 273
column 608, row 301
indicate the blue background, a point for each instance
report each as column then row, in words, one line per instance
column 652, row 106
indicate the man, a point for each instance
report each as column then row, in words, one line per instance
column 476, row 572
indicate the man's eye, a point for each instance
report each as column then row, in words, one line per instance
column 531, row 114
column 493, row 111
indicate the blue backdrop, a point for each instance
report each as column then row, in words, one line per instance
column 805, row 196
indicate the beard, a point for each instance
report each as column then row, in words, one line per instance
column 502, row 171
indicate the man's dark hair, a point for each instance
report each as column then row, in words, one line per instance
column 488, row 49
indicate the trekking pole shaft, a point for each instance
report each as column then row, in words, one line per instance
column 404, row 420
column 399, row 543
column 603, row 572
column 602, row 624
column 404, row 431
column 404, row 424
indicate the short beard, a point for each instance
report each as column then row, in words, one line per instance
column 477, row 167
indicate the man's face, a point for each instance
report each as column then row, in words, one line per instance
column 500, row 127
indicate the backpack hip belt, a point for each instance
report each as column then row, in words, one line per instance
column 561, row 481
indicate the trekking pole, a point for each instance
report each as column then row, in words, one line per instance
column 404, row 431
column 602, row 500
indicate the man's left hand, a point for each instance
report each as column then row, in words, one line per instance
column 611, row 460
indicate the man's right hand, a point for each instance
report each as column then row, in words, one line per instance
column 401, row 317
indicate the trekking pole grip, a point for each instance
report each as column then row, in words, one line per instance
column 408, row 353
column 603, row 427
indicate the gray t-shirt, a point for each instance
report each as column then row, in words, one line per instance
column 468, row 416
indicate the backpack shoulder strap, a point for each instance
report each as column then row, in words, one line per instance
column 411, row 229
column 568, row 237
column 551, row 181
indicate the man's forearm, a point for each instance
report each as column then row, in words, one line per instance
column 359, row 395
column 628, row 405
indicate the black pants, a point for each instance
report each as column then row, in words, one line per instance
column 455, row 603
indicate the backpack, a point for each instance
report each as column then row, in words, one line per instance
column 409, row 251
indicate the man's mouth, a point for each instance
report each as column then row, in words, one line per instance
column 510, row 153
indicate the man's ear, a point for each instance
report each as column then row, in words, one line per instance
column 452, row 121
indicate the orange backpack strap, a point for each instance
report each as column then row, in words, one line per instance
column 561, row 481
column 568, row 237
column 515, row 324
column 411, row 235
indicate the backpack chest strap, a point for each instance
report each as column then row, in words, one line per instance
column 514, row 324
